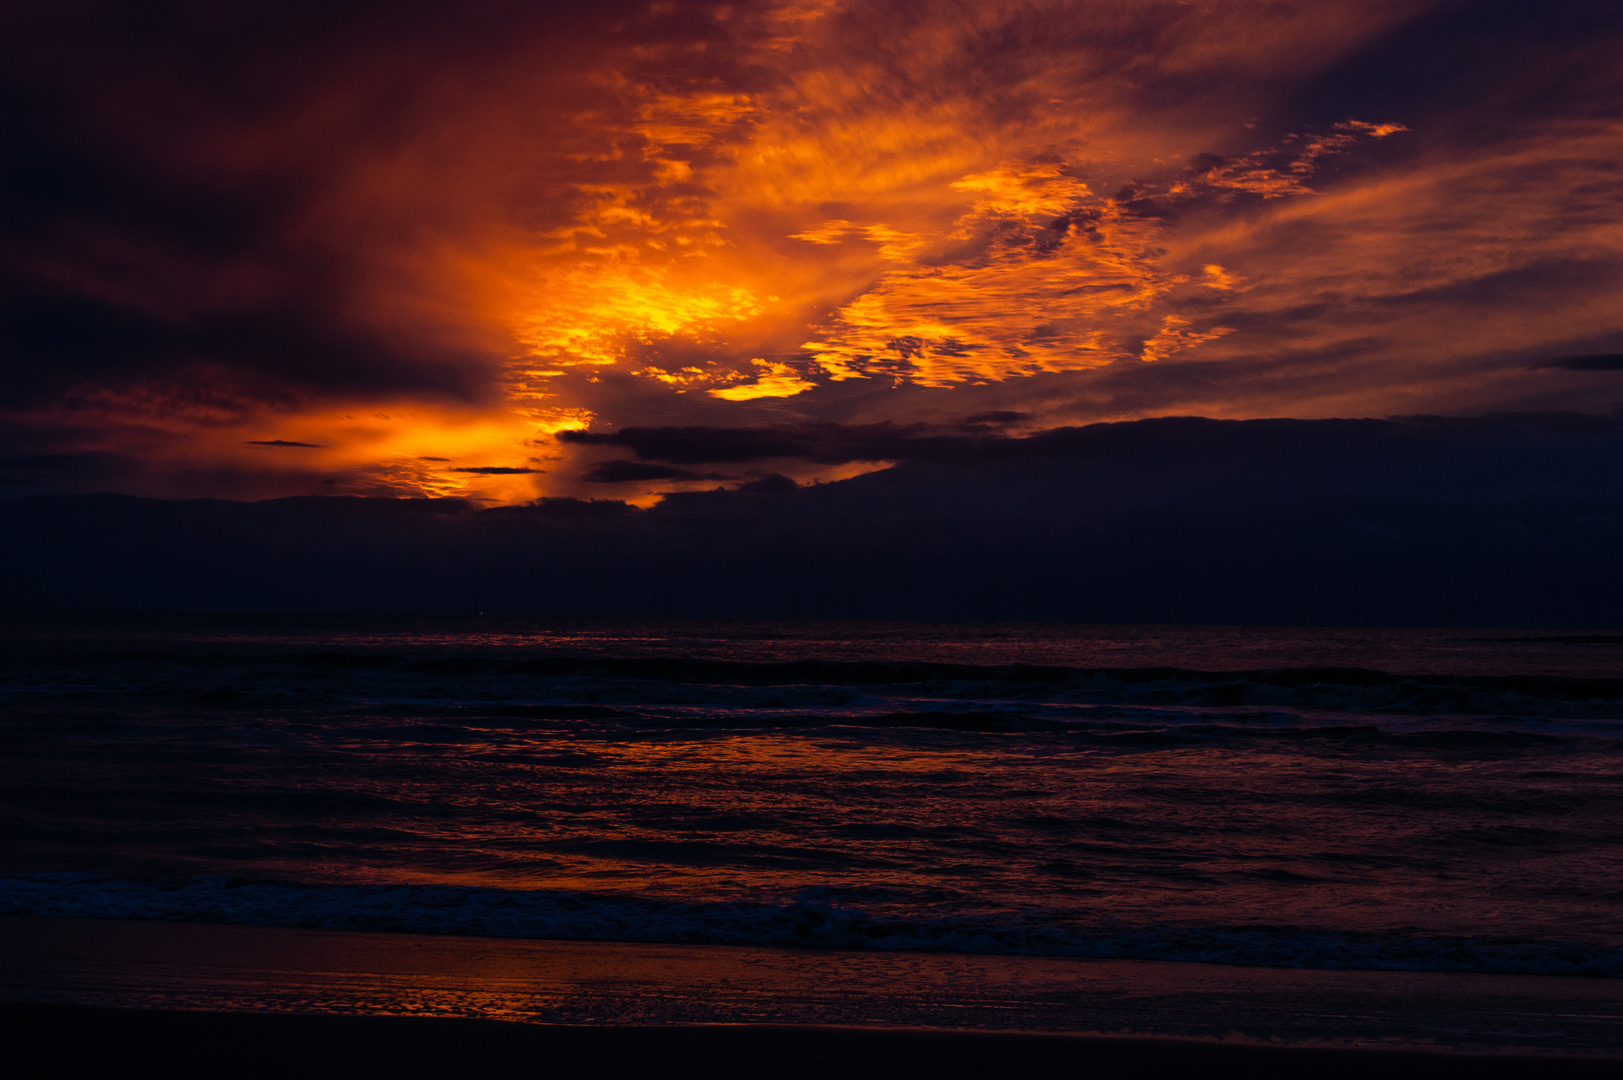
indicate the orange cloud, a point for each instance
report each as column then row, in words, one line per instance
column 471, row 237
column 981, row 253
column 774, row 380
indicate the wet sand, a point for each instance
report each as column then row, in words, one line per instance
column 72, row 1041
column 88, row 997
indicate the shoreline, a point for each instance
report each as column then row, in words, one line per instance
column 195, row 969
column 77, row 1040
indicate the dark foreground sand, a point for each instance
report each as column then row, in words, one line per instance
column 83, row 997
column 74, row 1041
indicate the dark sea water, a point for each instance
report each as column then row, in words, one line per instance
column 1362, row 798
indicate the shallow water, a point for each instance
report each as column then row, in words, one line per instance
column 1423, row 800
column 260, row 970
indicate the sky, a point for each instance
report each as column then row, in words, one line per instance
column 253, row 250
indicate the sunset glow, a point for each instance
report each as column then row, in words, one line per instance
column 716, row 503
column 849, row 212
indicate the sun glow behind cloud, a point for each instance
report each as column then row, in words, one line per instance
column 982, row 251
column 849, row 211
column 483, row 454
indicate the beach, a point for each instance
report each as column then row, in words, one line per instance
column 75, row 1041
column 86, row 996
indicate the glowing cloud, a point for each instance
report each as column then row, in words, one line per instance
column 775, row 380
column 398, row 255
column 982, row 252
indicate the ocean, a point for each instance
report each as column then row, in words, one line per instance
column 1310, row 798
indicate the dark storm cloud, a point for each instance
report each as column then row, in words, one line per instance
column 58, row 339
column 283, row 442
column 1506, row 520
column 996, row 418
column 692, row 445
column 625, row 472
column 165, row 167
column 821, row 443
column 1487, row 64
column 119, row 266
column 496, row 470
column 1588, row 362
column 969, row 443
column 39, row 462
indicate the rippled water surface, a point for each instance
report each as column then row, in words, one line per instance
column 1447, row 800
